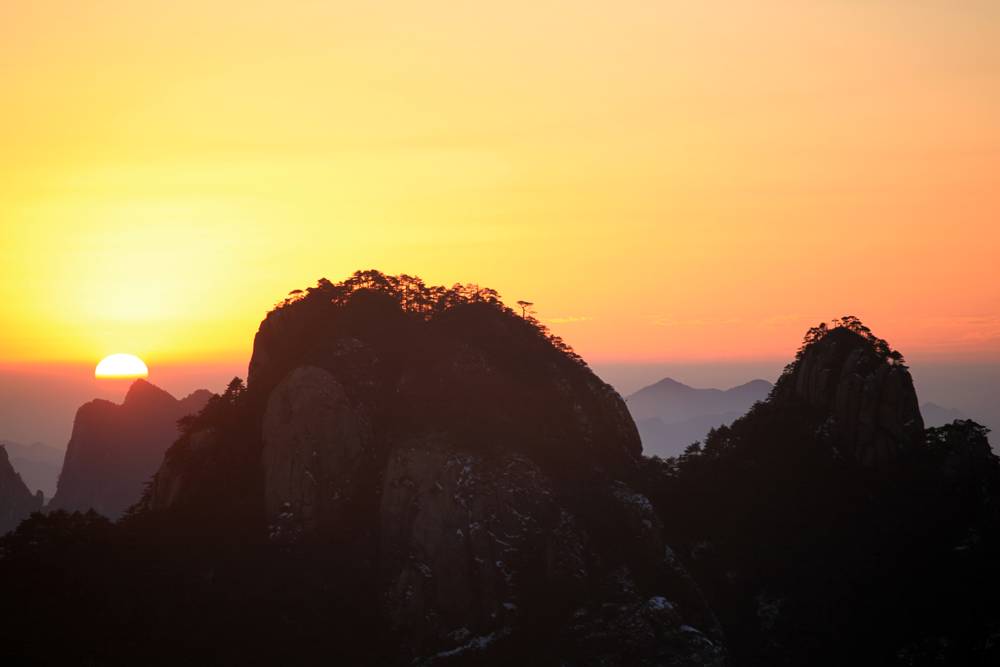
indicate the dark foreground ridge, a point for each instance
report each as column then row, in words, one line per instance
column 827, row 527
column 421, row 475
column 411, row 473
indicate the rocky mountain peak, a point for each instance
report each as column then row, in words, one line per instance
column 864, row 387
column 142, row 394
column 114, row 449
column 197, row 398
column 465, row 454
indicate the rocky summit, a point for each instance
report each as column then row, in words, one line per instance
column 849, row 374
column 114, row 449
column 481, row 469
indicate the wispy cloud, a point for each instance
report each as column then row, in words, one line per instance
column 712, row 321
column 781, row 320
column 561, row 320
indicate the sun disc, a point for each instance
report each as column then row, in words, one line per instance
column 121, row 366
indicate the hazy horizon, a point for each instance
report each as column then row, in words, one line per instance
column 681, row 189
column 40, row 406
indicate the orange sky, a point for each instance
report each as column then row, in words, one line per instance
column 666, row 181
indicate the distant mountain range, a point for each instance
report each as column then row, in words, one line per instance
column 38, row 464
column 935, row 415
column 671, row 415
column 16, row 500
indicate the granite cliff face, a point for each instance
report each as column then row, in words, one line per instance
column 874, row 414
column 114, row 449
column 314, row 444
column 16, row 501
column 485, row 475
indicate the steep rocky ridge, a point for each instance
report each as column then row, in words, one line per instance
column 114, row 449
column 477, row 465
column 16, row 501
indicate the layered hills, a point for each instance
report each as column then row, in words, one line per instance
column 115, row 449
column 936, row 415
column 671, row 415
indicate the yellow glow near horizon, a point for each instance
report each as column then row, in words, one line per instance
column 121, row 366
column 668, row 180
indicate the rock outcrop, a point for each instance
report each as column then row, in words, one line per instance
column 874, row 414
column 16, row 501
column 485, row 473
column 115, row 449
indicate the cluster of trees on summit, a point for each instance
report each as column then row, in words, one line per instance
column 853, row 325
column 419, row 300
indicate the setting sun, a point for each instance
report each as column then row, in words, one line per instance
column 121, row 366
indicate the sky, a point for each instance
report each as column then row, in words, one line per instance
column 673, row 184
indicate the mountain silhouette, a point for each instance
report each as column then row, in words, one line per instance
column 671, row 415
column 475, row 463
column 673, row 402
column 16, row 501
column 422, row 475
column 115, row 449
column 37, row 463
column 828, row 527
column 410, row 474
column 935, row 415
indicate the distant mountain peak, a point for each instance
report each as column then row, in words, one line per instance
column 198, row 397
column 115, row 448
column 937, row 415
column 670, row 382
column 754, row 383
column 144, row 392
column 670, row 414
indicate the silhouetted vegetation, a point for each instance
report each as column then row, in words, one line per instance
column 810, row 559
column 417, row 299
column 851, row 332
